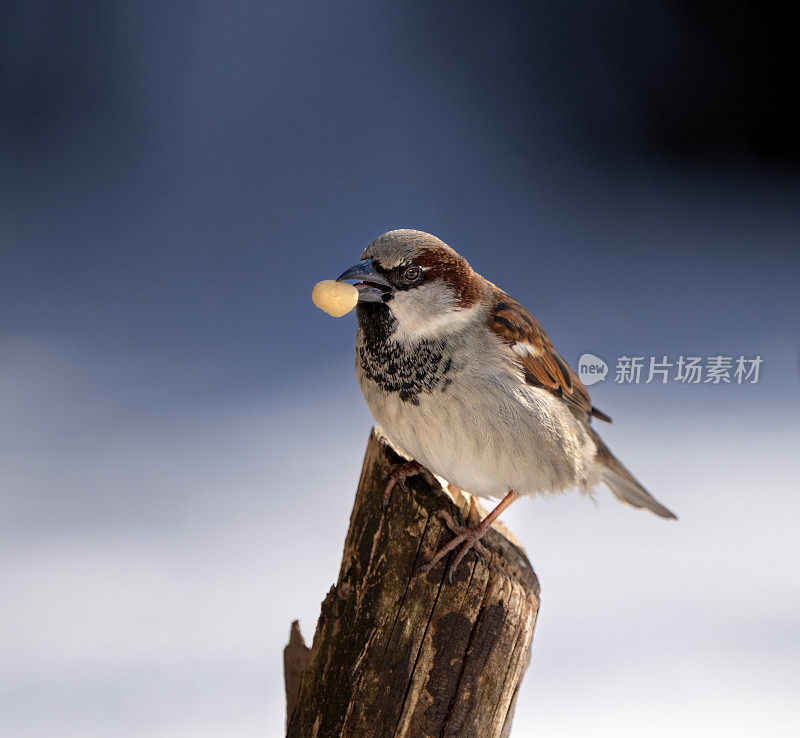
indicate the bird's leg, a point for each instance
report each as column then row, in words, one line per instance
column 467, row 538
column 398, row 472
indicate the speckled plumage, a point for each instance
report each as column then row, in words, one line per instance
column 395, row 366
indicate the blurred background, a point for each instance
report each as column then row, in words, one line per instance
column 181, row 431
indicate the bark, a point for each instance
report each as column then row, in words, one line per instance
column 402, row 654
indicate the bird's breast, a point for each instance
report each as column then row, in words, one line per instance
column 404, row 371
column 468, row 421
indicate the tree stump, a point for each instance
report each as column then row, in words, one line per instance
column 402, row 654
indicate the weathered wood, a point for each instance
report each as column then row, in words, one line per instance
column 402, row 654
column 295, row 658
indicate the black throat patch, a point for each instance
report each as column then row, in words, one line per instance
column 405, row 369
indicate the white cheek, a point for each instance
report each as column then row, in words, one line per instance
column 427, row 312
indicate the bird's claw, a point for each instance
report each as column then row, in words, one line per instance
column 465, row 539
column 398, row 473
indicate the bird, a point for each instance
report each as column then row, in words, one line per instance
column 465, row 384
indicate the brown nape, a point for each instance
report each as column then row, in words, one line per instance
column 456, row 273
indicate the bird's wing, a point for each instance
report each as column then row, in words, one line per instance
column 541, row 364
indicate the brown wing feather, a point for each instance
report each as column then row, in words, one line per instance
column 541, row 363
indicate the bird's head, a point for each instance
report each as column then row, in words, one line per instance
column 426, row 287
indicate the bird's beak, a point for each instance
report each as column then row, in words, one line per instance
column 373, row 287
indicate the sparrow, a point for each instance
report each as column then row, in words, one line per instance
column 463, row 382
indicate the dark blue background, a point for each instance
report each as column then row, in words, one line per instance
column 177, row 176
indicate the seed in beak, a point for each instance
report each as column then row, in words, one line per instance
column 335, row 298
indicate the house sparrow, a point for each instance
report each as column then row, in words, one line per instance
column 463, row 380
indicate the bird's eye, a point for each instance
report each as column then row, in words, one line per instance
column 412, row 273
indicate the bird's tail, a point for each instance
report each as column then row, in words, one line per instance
column 624, row 486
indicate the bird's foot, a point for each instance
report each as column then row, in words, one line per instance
column 399, row 472
column 465, row 539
